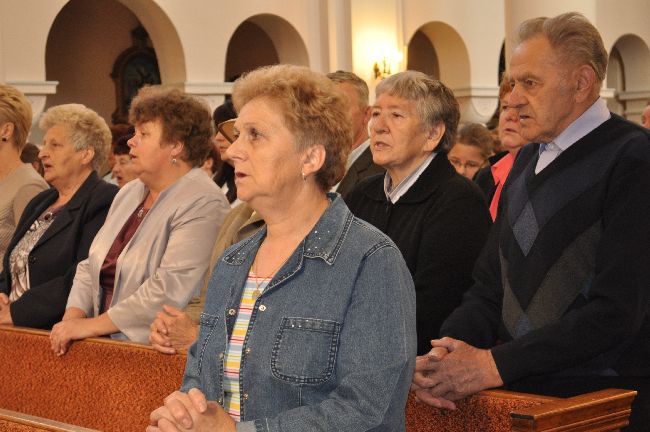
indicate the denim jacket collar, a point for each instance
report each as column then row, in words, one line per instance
column 324, row 241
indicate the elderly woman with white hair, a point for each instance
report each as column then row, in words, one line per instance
column 59, row 224
column 438, row 219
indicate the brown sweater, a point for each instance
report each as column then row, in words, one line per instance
column 240, row 223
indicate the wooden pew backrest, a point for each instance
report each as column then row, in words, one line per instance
column 99, row 384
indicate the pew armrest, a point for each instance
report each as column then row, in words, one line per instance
column 603, row 410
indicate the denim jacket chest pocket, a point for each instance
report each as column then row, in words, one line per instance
column 207, row 329
column 305, row 350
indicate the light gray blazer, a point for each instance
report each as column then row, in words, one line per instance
column 166, row 260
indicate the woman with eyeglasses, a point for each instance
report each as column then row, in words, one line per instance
column 471, row 150
column 155, row 246
column 310, row 323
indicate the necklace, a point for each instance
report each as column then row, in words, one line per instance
column 259, row 280
column 142, row 211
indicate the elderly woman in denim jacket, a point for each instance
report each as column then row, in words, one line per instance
column 310, row 323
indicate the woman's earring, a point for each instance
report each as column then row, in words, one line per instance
column 304, row 177
column 4, row 139
column 174, row 161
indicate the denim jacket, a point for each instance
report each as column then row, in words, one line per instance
column 331, row 342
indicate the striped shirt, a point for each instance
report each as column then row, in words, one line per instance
column 233, row 357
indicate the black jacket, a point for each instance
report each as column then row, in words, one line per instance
column 53, row 261
column 440, row 225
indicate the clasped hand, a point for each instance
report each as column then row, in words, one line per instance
column 190, row 412
column 453, row 370
column 172, row 330
column 5, row 312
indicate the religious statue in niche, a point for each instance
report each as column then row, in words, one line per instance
column 135, row 67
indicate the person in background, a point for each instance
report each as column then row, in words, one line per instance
column 155, row 246
column 212, row 163
column 359, row 164
column 645, row 116
column 117, row 131
column 309, row 323
column 561, row 304
column 471, row 150
column 438, row 219
column 123, row 170
column 19, row 183
column 225, row 175
column 29, row 155
column 175, row 330
column 58, row 225
column 492, row 178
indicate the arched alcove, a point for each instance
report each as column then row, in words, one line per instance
column 422, row 55
column 263, row 40
column 85, row 39
column 627, row 74
column 451, row 53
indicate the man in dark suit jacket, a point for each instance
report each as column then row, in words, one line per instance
column 359, row 164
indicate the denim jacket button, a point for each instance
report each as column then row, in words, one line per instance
column 221, row 356
column 220, row 401
column 262, row 308
column 247, row 351
column 232, row 312
column 245, row 396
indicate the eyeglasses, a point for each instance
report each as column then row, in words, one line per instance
column 227, row 129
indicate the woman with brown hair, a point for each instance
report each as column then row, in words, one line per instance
column 155, row 245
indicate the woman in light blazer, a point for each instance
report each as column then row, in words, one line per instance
column 155, row 246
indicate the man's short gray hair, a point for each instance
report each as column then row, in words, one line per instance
column 573, row 36
column 359, row 85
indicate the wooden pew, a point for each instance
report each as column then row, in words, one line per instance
column 503, row 411
column 99, row 384
column 12, row 421
column 113, row 386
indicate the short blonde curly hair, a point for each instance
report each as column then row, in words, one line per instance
column 16, row 109
column 85, row 128
column 314, row 111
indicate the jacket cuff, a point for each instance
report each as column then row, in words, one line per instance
column 510, row 364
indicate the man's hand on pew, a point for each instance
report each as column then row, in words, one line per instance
column 453, row 370
column 5, row 312
column 172, row 330
column 190, row 412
